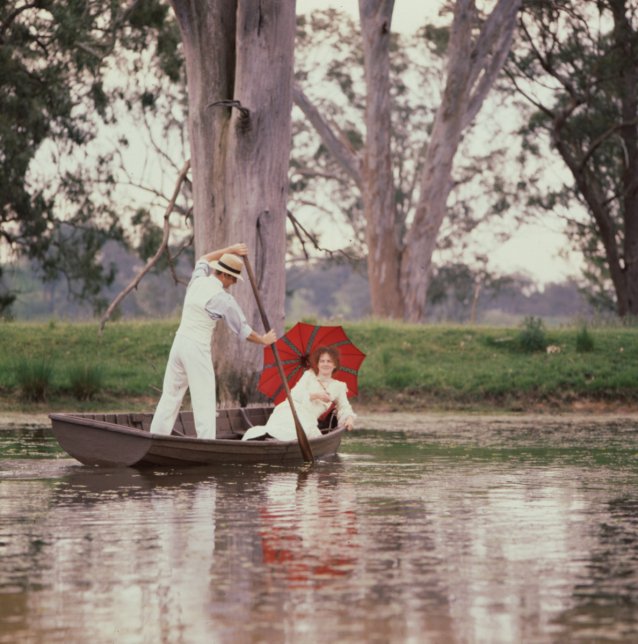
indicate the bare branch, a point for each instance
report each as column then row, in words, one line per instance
column 298, row 233
column 153, row 260
column 342, row 152
column 491, row 51
column 315, row 174
column 299, row 229
column 245, row 112
column 172, row 258
column 528, row 96
column 546, row 64
column 160, row 149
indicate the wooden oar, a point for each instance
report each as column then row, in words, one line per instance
column 304, row 444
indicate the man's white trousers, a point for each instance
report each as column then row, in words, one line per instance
column 190, row 366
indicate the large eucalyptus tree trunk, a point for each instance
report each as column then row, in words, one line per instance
column 239, row 64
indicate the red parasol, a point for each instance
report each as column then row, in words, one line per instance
column 294, row 349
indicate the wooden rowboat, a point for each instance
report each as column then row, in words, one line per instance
column 125, row 440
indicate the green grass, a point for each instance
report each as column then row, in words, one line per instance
column 130, row 356
column 33, row 378
column 462, row 365
column 86, row 381
column 453, row 367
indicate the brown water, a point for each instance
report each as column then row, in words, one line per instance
column 460, row 532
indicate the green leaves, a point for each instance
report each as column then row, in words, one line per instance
column 577, row 62
column 58, row 89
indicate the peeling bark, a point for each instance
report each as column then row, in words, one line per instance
column 239, row 64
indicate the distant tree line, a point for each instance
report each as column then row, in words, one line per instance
column 314, row 291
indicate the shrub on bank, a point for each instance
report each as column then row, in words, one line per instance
column 532, row 336
column 85, row 381
column 33, row 377
column 584, row 340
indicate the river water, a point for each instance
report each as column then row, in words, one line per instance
column 436, row 530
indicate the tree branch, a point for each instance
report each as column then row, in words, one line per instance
column 245, row 112
column 527, row 96
column 343, row 153
column 153, row 260
column 315, row 174
column 495, row 38
column 299, row 229
column 601, row 139
column 107, row 47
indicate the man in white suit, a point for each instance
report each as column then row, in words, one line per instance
column 190, row 364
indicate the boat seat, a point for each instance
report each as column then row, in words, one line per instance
column 184, row 425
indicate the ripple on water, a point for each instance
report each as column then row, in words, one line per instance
column 472, row 535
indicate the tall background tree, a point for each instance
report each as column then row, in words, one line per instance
column 400, row 249
column 577, row 64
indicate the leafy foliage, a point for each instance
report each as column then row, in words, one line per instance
column 56, row 64
column 577, row 64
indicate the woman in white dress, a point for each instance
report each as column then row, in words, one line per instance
column 312, row 395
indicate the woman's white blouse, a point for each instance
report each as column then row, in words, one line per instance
column 281, row 425
column 338, row 391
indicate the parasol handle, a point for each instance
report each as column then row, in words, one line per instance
column 304, row 444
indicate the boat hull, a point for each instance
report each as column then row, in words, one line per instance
column 124, row 440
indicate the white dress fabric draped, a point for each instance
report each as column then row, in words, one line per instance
column 281, row 424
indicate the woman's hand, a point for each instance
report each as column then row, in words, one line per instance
column 349, row 423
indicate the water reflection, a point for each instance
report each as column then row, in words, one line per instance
column 412, row 538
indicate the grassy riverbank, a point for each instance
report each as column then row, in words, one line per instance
column 407, row 367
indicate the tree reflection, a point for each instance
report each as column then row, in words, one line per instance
column 606, row 595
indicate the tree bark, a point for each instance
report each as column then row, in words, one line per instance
column 379, row 206
column 627, row 41
column 239, row 63
column 596, row 201
column 399, row 265
column 473, row 64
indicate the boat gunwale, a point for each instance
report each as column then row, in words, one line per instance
column 82, row 418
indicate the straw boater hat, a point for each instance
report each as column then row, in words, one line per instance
column 230, row 264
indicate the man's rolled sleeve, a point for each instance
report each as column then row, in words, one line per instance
column 224, row 306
